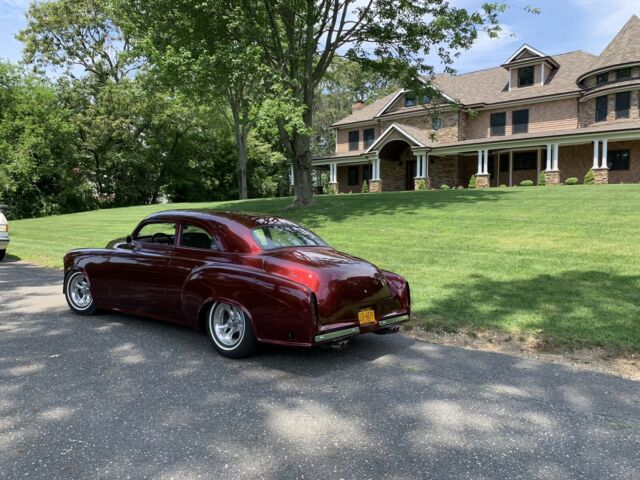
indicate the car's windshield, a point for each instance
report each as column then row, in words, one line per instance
column 279, row 236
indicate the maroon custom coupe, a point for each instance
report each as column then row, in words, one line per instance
column 241, row 278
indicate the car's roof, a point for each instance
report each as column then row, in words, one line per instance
column 239, row 224
column 226, row 217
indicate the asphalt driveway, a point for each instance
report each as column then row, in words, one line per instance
column 113, row 396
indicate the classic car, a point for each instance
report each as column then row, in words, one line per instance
column 4, row 232
column 241, row 278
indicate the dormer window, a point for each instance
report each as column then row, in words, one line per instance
column 525, row 76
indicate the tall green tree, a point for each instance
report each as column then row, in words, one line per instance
column 298, row 40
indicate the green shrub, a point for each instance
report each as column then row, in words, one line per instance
column 526, row 183
column 542, row 179
column 444, row 186
column 460, row 187
column 331, row 190
column 365, row 187
column 472, row 182
column 502, row 185
column 589, row 178
column 571, row 181
column 422, row 185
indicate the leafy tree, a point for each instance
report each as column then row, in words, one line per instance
column 345, row 83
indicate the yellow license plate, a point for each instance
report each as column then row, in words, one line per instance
column 366, row 316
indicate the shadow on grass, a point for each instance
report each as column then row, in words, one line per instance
column 573, row 307
column 343, row 207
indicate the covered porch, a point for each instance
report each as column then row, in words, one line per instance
column 402, row 162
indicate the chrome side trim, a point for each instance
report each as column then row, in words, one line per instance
column 391, row 321
column 337, row 334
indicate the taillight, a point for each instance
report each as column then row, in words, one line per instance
column 4, row 228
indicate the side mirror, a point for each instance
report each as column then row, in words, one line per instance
column 129, row 239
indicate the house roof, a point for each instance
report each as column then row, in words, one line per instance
column 487, row 87
column 623, row 49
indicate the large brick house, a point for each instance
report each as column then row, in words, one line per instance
column 562, row 115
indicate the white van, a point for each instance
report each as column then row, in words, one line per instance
column 4, row 232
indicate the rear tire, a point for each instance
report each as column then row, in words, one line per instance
column 78, row 295
column 2, row 254
column 230, row 331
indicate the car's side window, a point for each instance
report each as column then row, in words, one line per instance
column 196, row 237
column 162, row 233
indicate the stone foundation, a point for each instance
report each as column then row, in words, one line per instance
column 601, row 176
column 375, row 186
column 552, row 178
column 482, row 181
column 334, row 187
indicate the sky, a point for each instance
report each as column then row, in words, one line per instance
column 562, row 26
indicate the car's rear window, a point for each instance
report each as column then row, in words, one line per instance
column 280, row 236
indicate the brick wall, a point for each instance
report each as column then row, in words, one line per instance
column 444, row 170
column 588, row 111
column 342, row 140
column 343, row 179
column 543, row 117
column 393, row 171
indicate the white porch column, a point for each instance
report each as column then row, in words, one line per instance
column 486, row 162
column 419, row 168
column 511, row 168
column 426, row 165
column 556, row 149
column 605, row 147
column 292, row 178
column 333, row 173
column 375, row 167
column 549, row 165
column 596, row 154
column 480, row 159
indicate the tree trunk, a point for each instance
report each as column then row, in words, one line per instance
column 241, row 133
column 301, row 154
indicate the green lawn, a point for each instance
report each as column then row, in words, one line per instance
column 559, row 261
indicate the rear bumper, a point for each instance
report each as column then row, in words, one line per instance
column 343, row 333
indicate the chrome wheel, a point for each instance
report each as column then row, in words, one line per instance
column 78, row 292
column 228, row 324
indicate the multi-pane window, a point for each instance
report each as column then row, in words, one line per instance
column 410, row 101
column 369, row 136
column 498, row 122
column 525, row 160
column 602, row 108
column 520, row 121
column 525, row 76
column 623, row 104
column 623, row 74
column 618, row 159
column 602, row 78
column 354, row 140
column 352, row 175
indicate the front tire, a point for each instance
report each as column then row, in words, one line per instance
column 78, row 294
column 230, row 331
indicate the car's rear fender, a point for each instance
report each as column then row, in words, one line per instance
column 280, row 310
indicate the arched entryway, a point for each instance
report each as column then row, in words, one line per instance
column 397, row 166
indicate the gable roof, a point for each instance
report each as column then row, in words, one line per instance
column 487, row 87
column 411, row 134
column 623, row 49
column 525, row 51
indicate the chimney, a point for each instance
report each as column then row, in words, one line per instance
column 359, row 105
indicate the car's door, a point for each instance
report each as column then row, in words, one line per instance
column 197, row 244
column 139, row 274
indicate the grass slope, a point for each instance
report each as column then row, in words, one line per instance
column 561, row 262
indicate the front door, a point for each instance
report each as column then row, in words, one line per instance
column 411, row 172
